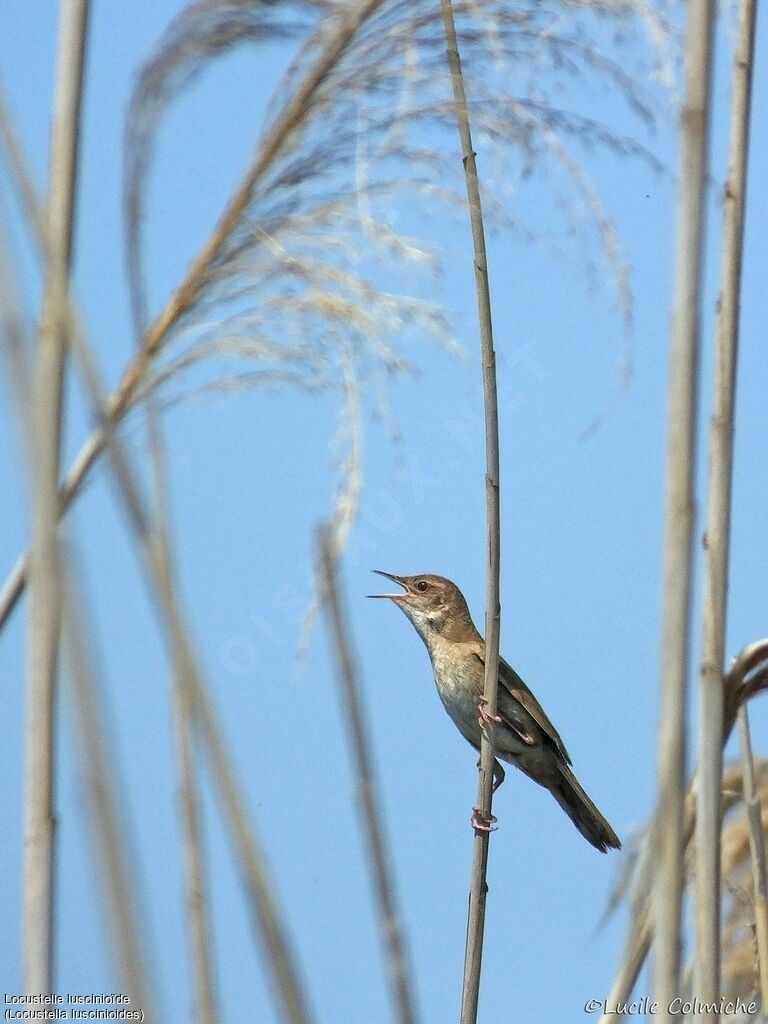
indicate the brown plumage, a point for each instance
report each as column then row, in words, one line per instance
column 524, row 736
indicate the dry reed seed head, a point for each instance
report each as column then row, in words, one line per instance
column 739, row 956
column 738, row 946
column 325, row 169
column 355, row 126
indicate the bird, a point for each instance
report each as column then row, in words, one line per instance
column 522, row 734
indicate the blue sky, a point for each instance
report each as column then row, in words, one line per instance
column 582, row 522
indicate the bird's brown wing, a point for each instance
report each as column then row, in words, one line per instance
column 510, row 683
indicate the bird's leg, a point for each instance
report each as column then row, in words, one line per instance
column 477, row 821
column 498, row 775
column 483, row 717
column 481, row 824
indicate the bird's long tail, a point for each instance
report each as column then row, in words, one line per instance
column 583, row 813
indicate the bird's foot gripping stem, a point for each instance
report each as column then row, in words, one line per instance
column 483, row 716
column 481, row 824
column 498, row 775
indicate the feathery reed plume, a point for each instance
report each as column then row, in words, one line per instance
column 745, row 788
column 756, row 827
column 344, row 134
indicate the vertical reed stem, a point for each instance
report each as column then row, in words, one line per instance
column 680, row 507
column 709, row 807
column 45, row 604
column 478, row 885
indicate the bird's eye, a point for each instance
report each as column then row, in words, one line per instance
column 422, row 585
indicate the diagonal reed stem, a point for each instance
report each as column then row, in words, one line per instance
column 112, row 836
column 198, row 922
column 382, row 880
column 102, row 783
column 199, row 927
column 266, row 918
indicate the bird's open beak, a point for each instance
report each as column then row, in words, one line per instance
column 395, row 579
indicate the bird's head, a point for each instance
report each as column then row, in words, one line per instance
column 435, row 606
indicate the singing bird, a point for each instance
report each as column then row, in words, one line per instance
column 522, row 733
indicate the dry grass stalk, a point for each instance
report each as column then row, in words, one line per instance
column 679, row 511
column 14, row 334
column 267, row 921
column 719, row 525
column 398, row 964
column 101, row 783
column 119, row 878
column 197, row 917
column 199, row 927
column 473, row 956
column 16, row 162
column 45, row 605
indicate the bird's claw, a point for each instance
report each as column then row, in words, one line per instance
column 482, row 824
column 484, row 717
